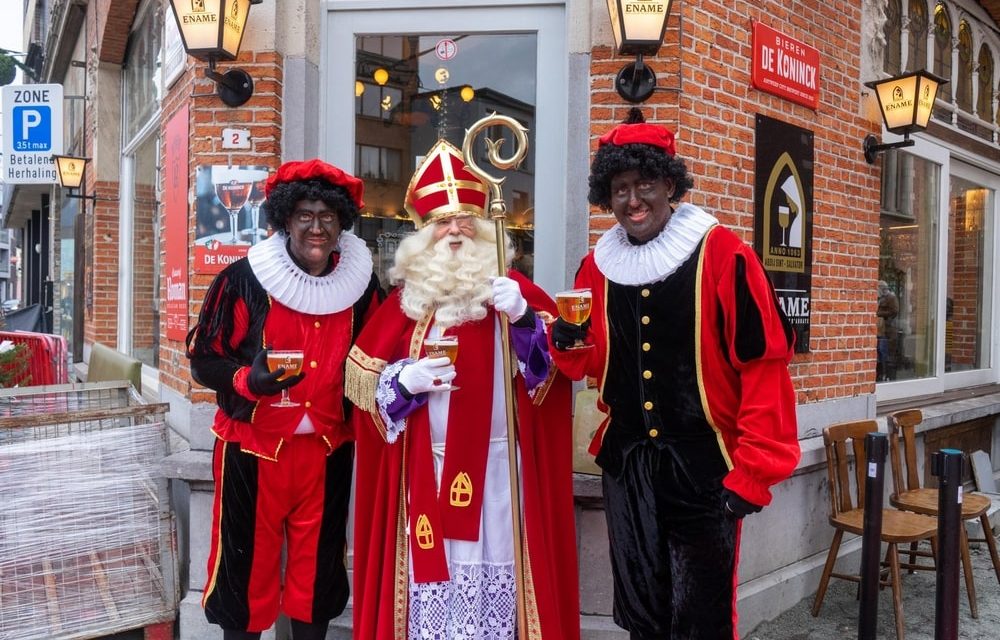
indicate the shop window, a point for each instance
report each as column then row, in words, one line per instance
column 146, row 255
column 916, row 57
column 139, row 215
column 942, row 51
column 892, row 30
column 907, row 266
column 936, row 262
column 142, row 70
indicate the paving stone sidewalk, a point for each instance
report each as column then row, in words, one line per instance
column 838, row 619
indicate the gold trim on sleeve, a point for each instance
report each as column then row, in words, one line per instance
column 361, row 379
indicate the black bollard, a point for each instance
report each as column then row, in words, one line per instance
column 946, row 465
column 876, row 446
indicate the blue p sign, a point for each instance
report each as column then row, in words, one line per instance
column 32, row 128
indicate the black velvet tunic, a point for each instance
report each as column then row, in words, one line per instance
column 652, row 383
column 673, row 548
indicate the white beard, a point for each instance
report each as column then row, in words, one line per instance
column 455, row 285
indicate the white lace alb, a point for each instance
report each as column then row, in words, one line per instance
column 478, row 603
column 629, row 264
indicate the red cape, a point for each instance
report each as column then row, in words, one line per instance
column 381, row 580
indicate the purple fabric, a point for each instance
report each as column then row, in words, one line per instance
column 399, row 408
column 532, row 349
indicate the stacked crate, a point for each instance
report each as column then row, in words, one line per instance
column 86, row 536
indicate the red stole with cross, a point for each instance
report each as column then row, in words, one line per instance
column 455, row 509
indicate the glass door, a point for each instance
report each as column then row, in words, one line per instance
column 403, row 79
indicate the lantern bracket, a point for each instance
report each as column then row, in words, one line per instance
column 872, row 148
column 234, row 87
column 635, row 82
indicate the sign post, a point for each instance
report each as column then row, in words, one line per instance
column 32, row 133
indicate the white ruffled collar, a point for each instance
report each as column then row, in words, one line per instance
column 317, row 295
column 629, row 264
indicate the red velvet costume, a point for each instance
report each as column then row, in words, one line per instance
column 750, row 404
column 692, row 372
column 381, row 545
column 283, row 474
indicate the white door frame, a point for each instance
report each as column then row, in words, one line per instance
column 345, row 20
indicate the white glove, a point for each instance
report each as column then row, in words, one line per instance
column 427, row 374
column 507, row 298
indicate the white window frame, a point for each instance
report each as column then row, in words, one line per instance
column 126, row 226
column 943, row 156
column 547, row 19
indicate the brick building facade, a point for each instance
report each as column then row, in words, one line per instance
column 306, row 58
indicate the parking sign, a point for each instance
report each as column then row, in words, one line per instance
column 32, row 132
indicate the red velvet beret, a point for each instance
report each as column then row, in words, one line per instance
column 316, row 168
column 641, row 133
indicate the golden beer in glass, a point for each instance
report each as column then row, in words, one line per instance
column 574, row 307
column 291, row 362
column 443, row 347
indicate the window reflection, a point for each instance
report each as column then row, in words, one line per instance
column 435, row 86
column 907, row 265
column 146, row 255
column 965, row 346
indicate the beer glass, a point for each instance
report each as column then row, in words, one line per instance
column 289, row 360
column 445, row 346
column 232, row 191
column 574, row 307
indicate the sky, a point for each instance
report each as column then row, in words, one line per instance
column 11, row 28
column 11, row 25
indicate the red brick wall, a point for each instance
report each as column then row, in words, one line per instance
column 967, row 255
column 101, row 279
column 108, row 23
column 710, row 103
column 145, row 318
column 208, row 116
column 114, row 21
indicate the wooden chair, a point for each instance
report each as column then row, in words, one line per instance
column 907, row 494
column 847, row 512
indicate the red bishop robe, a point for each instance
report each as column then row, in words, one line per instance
column 381, row 551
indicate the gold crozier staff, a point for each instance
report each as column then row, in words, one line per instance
column 498, row 212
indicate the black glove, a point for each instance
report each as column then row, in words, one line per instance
column 564, row 334
column 737, row 507
column 262, row 382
